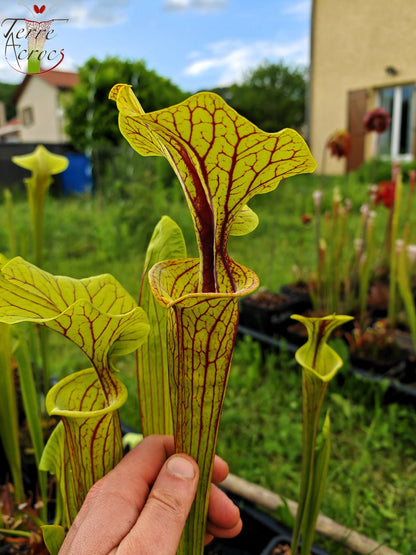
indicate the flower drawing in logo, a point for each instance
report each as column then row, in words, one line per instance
column 28, row 48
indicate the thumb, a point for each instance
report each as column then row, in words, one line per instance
column 159, row 526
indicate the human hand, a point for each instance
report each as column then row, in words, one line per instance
column 141, row 505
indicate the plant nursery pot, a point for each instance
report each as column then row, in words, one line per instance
column 387, row 368
column 297, row 289
column 280, row 545
column 259, row 532
column 265, row 311
column 29, row 471
column 378, row 298
column 4, row 467
column 294, row 332
column 410, row 372
column 19, row 549
column 401, row 380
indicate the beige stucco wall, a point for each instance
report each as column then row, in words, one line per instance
column 47, row 114
column 352, row 43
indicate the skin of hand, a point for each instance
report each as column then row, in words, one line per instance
column 141, row 505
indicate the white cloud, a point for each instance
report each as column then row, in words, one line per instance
column 302, row 8
column 67, row 64
column 8, row 74
column 180, row 5
column 232, row 59
column 96, row 13
column 176, row 5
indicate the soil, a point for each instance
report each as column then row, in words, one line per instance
column 281, row 549
column 378, row 297
column 16, row 549
column 298, row 288
column 267, row 299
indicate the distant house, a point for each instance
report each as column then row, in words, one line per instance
column 9, row 130
column 39, row 106
column 362, row 56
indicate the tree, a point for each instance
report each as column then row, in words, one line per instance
column 92, row 119
column 7, row 92
column 271, row 96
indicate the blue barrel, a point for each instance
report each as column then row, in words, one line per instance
column 77, row 178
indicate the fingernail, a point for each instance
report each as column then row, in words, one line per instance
column 181, row 467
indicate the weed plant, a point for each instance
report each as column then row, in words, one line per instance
column 372, row 481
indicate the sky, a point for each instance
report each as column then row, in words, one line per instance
column 198, row 44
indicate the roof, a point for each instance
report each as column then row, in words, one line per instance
column 59, row 79
column 10, row 128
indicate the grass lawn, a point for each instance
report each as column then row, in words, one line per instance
column 372, row 481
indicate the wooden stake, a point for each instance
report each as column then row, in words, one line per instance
column 325, row 526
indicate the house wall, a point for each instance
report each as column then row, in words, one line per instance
column 43, row 99
column 352, row 43
column 3, row 118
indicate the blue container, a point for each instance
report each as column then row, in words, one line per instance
column 77, row 178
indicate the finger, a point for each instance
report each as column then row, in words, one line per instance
column 159, row 528
column 114, row 503
column 223, row 515
column 220, row 470
column 219, row 532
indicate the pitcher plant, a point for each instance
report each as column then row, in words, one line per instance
column 221, row 160
column 99, row 316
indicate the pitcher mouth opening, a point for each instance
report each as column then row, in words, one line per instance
column 176, row 281
column 84, row 381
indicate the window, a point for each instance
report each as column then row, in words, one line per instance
column 397, row 141
column 27, row 116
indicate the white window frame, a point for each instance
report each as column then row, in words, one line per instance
column 395, row 123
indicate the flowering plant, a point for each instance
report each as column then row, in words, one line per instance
column 339, row 144
column 377, row 120
column 384, row 193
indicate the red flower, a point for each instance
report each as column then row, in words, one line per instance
column 339, row 144
column 377, row 120
column 385, row 193
column 306, row 218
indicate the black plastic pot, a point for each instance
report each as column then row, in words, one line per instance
column 16, row 549
column 285, row 540
column 298, row 290
column 294, row 332
column 399, row 388
column 4, row 467
column 267, row 312
column 259, row 531
column 385, row 368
